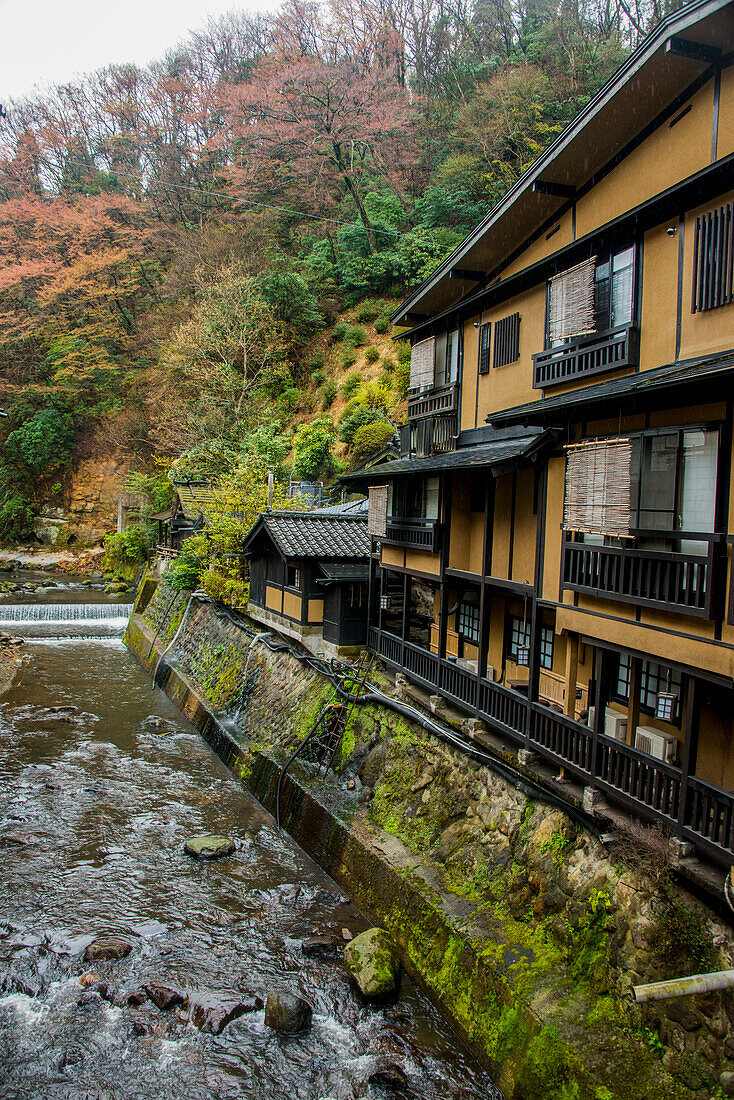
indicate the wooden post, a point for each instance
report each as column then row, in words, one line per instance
column 572, row 674
column 633, row 706
column 690, row 748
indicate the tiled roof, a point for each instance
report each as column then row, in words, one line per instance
column 495, row 453
column 347, row 508
column 195, row 498
column 314, row 535
column 341, row 571
column 712, row 369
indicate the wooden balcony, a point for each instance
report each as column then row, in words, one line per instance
column 444, row 399
column 596, row 353
column 419, row 534
column 651, row 788
column 684, row 583
column 431, row 435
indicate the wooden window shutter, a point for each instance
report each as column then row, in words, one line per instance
column 485, row 339
column 713, row 259
column 507, row 340
column 377, row 510
column 571, row 305
column 598, row 487
column 421, row 364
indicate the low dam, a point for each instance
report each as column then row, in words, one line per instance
column 102, row 780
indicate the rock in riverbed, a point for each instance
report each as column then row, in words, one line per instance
column 163, row 997
column 389, row 1078
column 209, row 847
column 107, row 949
column 213, row 1011
column 322, row 947
column 284, row 1012
column 373, row 961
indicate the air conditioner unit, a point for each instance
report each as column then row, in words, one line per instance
column 591, row 717
column 471, row 665
column 615, row 724
column 663, row 746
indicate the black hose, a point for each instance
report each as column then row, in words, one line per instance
column 333, row 672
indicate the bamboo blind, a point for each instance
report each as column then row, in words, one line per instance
column 377, row 510
column 598, row 487
column 421, row 364
column 571, row 309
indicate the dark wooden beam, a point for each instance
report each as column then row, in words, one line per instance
column 548, row 187
column 466, row 273
column 696, row 51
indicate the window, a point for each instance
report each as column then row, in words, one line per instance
column 713, row 259
column 507, row 340
column 485, row 336
column 293, row 577
column 469, row 622
column 435, row 361
column 519, row 636
column 546, row 647
column 598, row 480
column 415, row 498
column 593, row 296
column 654, row 678
column 613, row 290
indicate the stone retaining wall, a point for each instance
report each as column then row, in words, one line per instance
column 526, row 930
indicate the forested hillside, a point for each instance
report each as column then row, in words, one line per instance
column 202, row 256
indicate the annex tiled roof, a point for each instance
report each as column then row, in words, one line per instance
column 314, row 535
column 495, row 453
column 342, row 571
column 195, row 497
column 347, row 508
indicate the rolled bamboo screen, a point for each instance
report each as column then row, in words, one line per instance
column 377, row 510
column 598, row 487
column 421, row 364
column 571, row 308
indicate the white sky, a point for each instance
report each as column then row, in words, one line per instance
column 51, row 41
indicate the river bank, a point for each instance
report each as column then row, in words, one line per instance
column 102, row 782
column 521, row 924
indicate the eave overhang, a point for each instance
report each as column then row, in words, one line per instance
column 652, row 81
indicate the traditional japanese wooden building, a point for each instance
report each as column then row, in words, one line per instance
column 309, row 574
column 553, row 548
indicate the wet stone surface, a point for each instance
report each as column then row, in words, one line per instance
column 94, row 814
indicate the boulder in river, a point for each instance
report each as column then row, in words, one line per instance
column 212, row 1011
column 107, row 949
column 390, row 1078
column 163, row 996
column 284, row 1012
column 373, row 961
column 322, row 947
column 209, row 846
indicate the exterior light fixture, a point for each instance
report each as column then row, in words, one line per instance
column 666, row 706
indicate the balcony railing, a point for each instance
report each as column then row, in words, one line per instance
column 444, row 399
column 685, row 583
column 420, row 534
column 592, row 354
column 652, row 788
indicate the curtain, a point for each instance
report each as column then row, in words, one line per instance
column 571, row 308
column 377, row 510
column 598, row 487
column 421, row 364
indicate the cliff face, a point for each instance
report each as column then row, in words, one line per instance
column 525, row 927
column 89, row 508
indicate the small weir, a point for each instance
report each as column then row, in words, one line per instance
column 101, row 782
column 65, row 620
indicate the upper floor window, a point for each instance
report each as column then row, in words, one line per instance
column 414, row 498
column 468, row 624
column 713, row 259
column 593, row 296
column 435, row 361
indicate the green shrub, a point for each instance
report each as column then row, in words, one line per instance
column 327, row 393
column 313, row 449
column 289, row 400
column 318, row 376
column 351, row 384
column 126, row 551
column 372, row 354
column 348, row 357
column 371, row 438
column 339, row 332
column 184, row 571
column 357, row 336
column 401, row 378
column 404, row 352
column 367, row 312
column 382, row 324
column 358, row 418
column 388, row 364
column 317, row 361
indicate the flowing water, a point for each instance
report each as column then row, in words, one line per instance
column 96, row 800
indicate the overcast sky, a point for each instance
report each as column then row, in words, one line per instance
column 51, row 41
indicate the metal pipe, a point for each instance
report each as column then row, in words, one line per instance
column 684, row 987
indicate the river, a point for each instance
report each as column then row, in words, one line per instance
column 96, row 801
